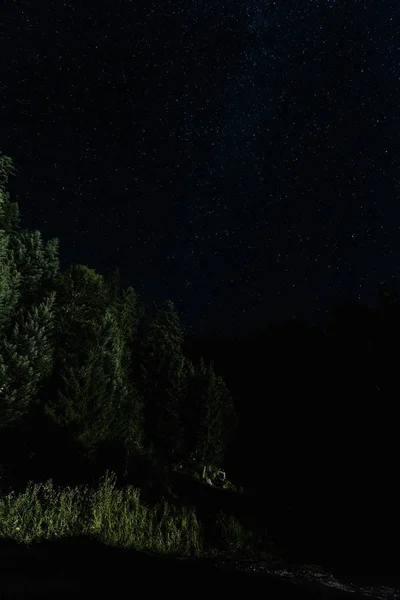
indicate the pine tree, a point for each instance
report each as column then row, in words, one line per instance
column 37, row 264
column 82, row 300
column 209, row 416
column 161, row 378
column 9, row 276
column 9, row 284
column 129, row 312
column 33, row 269
column 131, row 315
column 50, row 265
column 9, row 212
column 95, row 397
column 26, row 359
column 28, row 269
column 113, row 285
column 80, row 306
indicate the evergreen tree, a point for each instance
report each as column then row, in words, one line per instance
column 161, row 366
column 26, row 359
column 27, row 275
column 113, row 284
column 82, row 299
column 37, row 264
column 50, row 265
column 83, row 293
column 27, row 267
column 9, row 284
column 9, row 212
column 131, row 315
column 80, row 306
column 9, row 276
column 210, row 418
column 97, row 398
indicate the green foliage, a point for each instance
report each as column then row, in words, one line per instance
column 28, row 269
column 36, row 263
column 97, row 396
column 26, row 358
column 94, row 361
column 9, row 213
column 117, row 517
column 9, row 283
column 161, row 378
column 209, row 416
column 6, row 169
column 128, row 308
column 51, row 264
column 83, row 294
column 82, row 300
column 113, row 285
column 131, row 315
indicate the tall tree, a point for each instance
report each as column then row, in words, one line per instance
column 26, row 314
column 161, row 365
column 9, row 212
column 97, row 398
column 9, row 284
column 36, row 262
column 26, row 358
column 81, row 304
column 113, row 284
column 94, row 395
column 9, row 277
column 210, row 418
column 131, row 315
column 82, row 299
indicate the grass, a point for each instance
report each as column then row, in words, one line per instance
column 119, row 517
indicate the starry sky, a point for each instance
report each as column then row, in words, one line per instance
column 238, row 157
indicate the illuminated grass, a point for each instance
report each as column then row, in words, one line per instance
column 116, row 518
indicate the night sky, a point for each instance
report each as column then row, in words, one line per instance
column 239, row 157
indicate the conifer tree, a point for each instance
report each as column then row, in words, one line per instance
column 9, row 277
column 210, row 418
column 26, row 358
column 82, row 300
column 28, row 267
column 113, row 284
column 26, row 315
column 95, row 397
column 131, row 315
column 161, row 378
column 9, row 212
column 9, row 284
column 37, row 264
column 129, row 312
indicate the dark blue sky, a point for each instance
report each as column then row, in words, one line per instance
column 239, row 158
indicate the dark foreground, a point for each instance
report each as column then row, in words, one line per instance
column 81, row 567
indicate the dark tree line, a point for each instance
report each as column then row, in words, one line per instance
column 88, row 371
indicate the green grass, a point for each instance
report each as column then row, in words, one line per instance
column 118, row 517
